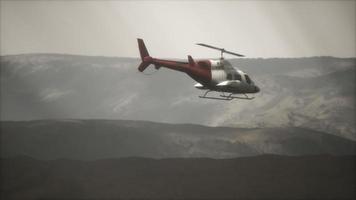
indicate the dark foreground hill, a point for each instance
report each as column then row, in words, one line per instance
column 260, row 177
column 98, row 139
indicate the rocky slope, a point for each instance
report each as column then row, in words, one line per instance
column 260, row 177
column 99, row 139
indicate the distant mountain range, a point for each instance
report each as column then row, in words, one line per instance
column 316, row 93
column 101, row 139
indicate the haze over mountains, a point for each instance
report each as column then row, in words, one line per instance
column 316, row 93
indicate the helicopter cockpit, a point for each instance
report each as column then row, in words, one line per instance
column 228, row 78
column 233, row 73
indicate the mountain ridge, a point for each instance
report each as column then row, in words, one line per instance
column 42, row 86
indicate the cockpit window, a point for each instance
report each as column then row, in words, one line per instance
column 229, row 77
column 248, row 80
column 232, row 71
column 237, row 76
column 233, row 76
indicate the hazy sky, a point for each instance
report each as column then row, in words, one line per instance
column 170, row 28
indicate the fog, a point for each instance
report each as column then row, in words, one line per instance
column 170, row 28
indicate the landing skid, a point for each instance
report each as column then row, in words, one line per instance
column 237, row 97
column 225, row 97
column 216, row 98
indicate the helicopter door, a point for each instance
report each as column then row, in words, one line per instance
column 229, row 76
column 237, row 76
column 248, row 80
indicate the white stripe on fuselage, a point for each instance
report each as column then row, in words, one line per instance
column 218, row 73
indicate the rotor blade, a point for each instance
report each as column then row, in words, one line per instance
column 209, row 46
column 232, row 53
column 220, row 49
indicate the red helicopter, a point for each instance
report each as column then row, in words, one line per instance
column 212, row 75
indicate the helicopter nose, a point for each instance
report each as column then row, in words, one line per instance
column 257, row 89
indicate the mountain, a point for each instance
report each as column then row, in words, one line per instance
column 101, row 139
column 315, row 93
column 260, row 177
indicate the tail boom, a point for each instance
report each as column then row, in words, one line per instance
column 200, row 74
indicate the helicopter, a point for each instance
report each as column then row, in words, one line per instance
column 212, row 75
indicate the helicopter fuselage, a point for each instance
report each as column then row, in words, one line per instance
column 212, row 75
column 217, row 75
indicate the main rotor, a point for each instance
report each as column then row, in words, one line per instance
column 222, row 50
